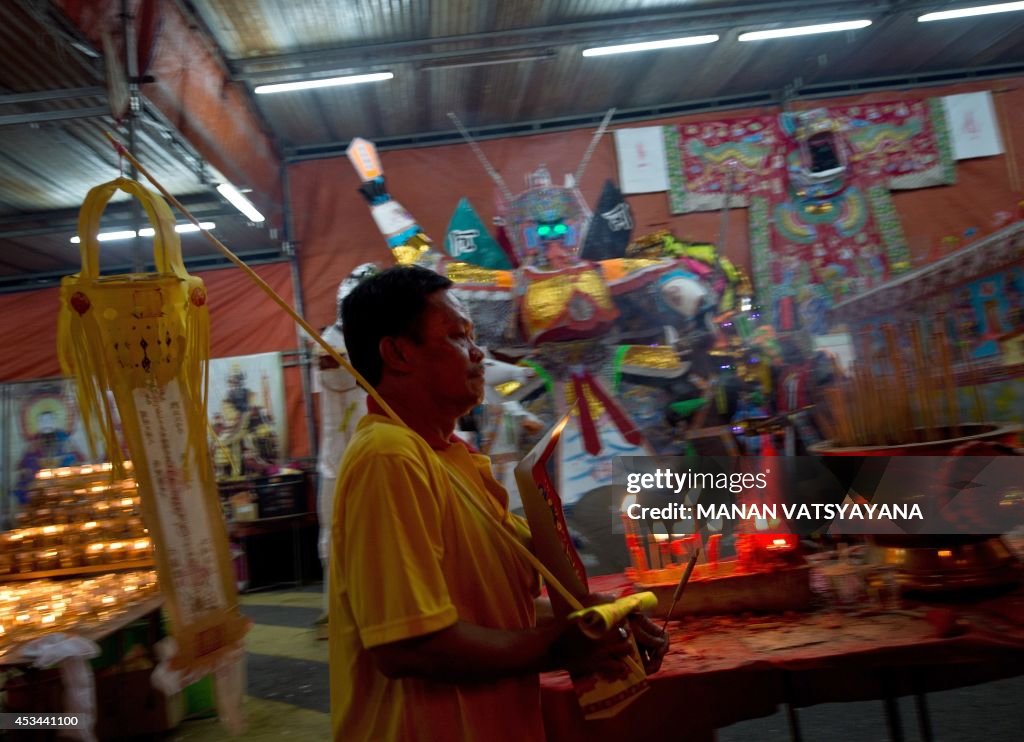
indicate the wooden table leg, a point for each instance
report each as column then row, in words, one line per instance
column 924, row 722
column 297, row 552
column 892, row 718
column 791, row 716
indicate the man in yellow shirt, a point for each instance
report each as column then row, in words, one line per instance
column 433, row 632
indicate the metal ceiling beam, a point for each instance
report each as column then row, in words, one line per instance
column 48, row 95
column 39, row 117
column 33, row 281
column 275, row 66
column 58, row 219
column 115, row 225
column 749, row 100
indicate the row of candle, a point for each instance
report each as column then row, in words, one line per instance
column 74, row 509
column 75, row 471
column 32, row 609
column 69, row 557
column 71, row 534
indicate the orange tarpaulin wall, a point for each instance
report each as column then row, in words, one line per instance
column 334, row 232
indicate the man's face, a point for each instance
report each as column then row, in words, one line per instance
column 448, row 363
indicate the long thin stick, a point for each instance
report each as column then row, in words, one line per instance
column 593, row 145
column 488, row 167
column 1012, row 170
column 948, row 382
column 922, row 381
column 906, row 417
column 681, row 586
column 551, row 580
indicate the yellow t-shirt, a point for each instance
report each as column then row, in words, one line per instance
column 408, row 559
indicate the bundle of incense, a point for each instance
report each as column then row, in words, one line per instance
column 634, row 544
column 941, row 342
column 665, row 551
column 922, row 382
column 680, row 587
column 652, row 550
column 714, row 542
column 899, row 403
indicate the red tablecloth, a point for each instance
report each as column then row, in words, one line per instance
column 724, row 669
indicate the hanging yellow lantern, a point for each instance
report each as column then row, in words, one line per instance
column 143, row 340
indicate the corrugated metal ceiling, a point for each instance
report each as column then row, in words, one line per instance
column 443, row 57
column 53, row 115
column 504, row 67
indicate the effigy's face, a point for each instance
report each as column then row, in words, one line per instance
column 548, row 225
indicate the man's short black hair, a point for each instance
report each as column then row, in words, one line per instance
column 388, row 304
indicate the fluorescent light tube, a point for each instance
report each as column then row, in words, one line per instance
column 643, row 46
column 240, row 202
column 779, row 33
column 945, row 15
column 127, row 234
column 179, row 228
column 328, row 82
column 190, row 227
column 455, row 64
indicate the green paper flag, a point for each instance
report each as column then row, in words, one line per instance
column 468, row 240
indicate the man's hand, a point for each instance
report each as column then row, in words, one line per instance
column 651, row 639
column 577, row 653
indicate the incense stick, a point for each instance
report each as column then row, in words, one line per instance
column 681, row 586
column 948, row 382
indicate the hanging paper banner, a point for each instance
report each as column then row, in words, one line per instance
column 145, row 338
column 707, row 157
column 904, row 143
column 641, row 156
column 807, row 256
column 972, row 125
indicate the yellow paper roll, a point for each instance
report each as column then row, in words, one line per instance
column 598, row 620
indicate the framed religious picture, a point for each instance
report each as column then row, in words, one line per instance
column 246, row 410
column 42, row 430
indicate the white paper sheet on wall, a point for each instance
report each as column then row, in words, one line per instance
column 641, row 155
column 973, row 126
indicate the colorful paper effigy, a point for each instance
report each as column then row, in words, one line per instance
column 137, row 346
column 403, row 235
column 562, row 307
column 468, row 240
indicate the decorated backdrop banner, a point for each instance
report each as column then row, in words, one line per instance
column 707, row 159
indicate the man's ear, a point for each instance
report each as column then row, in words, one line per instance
column 395, row 355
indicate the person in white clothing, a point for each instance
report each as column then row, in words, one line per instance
column 342, row 404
